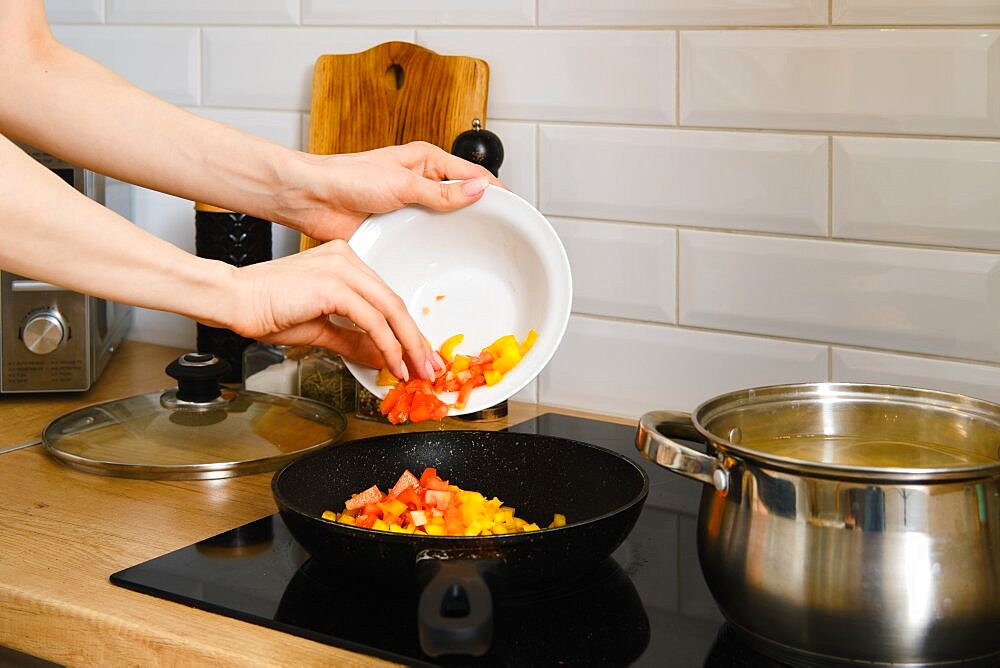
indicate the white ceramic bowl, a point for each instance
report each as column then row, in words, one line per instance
column 493, row 268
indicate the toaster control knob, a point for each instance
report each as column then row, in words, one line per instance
column 43, row 332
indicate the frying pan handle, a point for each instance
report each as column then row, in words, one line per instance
column 455, row 612
column 653, row 439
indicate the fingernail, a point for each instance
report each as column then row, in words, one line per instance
column 429, row 368
column 439, row 360
column 473, row 187
column 404, row 373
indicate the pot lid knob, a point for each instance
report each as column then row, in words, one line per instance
column 197, row 376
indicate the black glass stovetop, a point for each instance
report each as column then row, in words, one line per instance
column 647, row 605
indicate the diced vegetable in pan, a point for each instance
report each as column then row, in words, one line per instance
column 430, row 506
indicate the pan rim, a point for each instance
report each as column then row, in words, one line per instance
column 284, row 505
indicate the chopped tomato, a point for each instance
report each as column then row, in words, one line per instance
column 451, row 511
column 401, row 410
column 417, row 400
column 405, row 481
column 441, row 499
column 370, row 495
column 426, row 406
column 435, row 484
column 389, row 402
column 412, row 497
column 429, row 472
column 464, row 392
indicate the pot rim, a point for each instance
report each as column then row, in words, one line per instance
column 840, row 391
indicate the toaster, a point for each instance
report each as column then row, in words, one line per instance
column 53, row 339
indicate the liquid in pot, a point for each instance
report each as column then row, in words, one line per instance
column 867, row 452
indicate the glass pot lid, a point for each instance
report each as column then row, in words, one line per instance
column 197, row 430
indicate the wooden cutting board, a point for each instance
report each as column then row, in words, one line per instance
column 391, row 94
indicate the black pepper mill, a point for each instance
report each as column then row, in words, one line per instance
column 239, row 240
column 482, row 147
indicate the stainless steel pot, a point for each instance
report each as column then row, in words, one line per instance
column 859, row 522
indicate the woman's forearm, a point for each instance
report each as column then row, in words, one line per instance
column 115, row 128
column 54, row 233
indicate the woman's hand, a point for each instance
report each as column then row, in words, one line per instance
column 330, row 196
column 290, row 300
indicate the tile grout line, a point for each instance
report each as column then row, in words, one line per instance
column 829, row 187
column 677, row 276
column 677, row 78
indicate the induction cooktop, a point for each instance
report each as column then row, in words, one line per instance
column 647, row 605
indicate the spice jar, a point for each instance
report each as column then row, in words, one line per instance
column 323, row 376
column 368, row 405
column 271, row 369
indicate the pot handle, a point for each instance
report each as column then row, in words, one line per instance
column 653, row 439
column 455, row 611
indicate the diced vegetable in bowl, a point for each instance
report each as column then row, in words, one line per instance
column 421, row 400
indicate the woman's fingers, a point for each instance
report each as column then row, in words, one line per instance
column 446, row 196
column 372, row 305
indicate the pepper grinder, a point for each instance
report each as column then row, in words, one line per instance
column 239, row 240
column 482, row 147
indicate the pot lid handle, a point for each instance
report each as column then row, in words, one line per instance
column 197, row 376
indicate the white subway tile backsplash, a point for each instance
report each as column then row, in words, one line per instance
column 681, row 12
column 892, row 81
column 409, row 13
column 911, row 300
column 528, row 394
column 238, row 12
column 903, row 12
column 272, row 68
column 604, row 76
column 74, row 11
column 672, row 231
column 729, row 180
column 161, row 60
column 628, row 368
column 519, row 157
column 921, row 191
column 863, row 366
column 625, row 271
column 170, row 218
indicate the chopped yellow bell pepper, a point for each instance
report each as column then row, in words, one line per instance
column 506, row 353
column 385, row 378
column 329, row 515
column 558, row 520
column 448, row 347
column 461, row 363
column 393, row 507
column 492, row 377
column 529, row 341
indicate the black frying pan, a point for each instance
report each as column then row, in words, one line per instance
column 599, row 491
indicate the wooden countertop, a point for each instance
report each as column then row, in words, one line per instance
column 64, row 532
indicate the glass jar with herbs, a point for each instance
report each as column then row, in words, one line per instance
column 323, row 376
